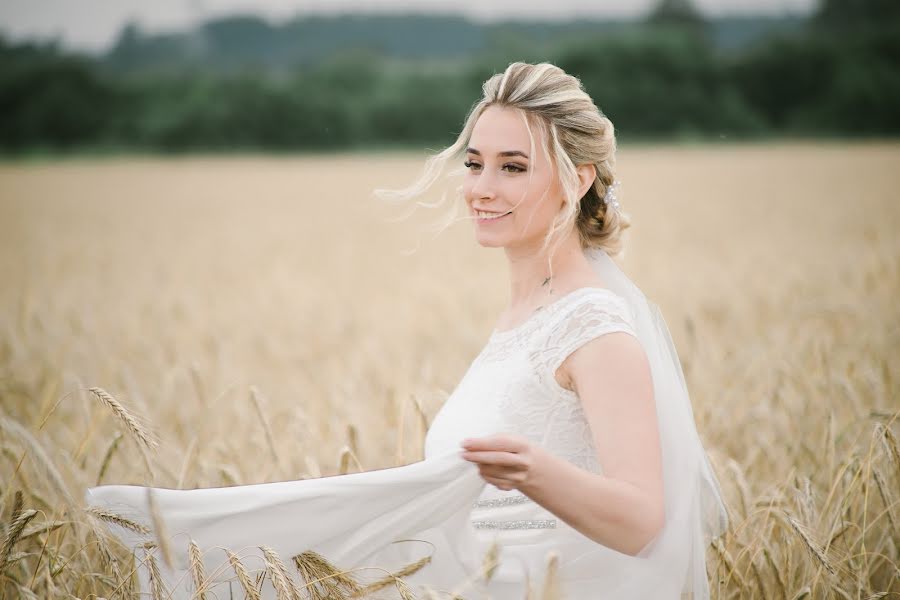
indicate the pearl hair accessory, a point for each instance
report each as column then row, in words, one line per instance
column 610, row 197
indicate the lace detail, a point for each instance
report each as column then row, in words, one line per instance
column 510, row 385
column 504, row 342
column 576, row 326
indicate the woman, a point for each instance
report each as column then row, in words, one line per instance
column 566, row 459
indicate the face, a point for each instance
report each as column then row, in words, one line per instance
column 512, row 196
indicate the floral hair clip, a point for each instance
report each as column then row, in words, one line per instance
column 610, row 197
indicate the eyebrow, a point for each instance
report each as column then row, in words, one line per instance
column 504, row 153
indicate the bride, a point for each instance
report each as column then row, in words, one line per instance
column 566, row 462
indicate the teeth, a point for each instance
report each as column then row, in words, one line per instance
column 487, row 215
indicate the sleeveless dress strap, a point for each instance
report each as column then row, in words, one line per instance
column 589, row 317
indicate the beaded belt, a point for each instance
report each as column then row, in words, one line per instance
column 518, row 524
column 507, row 501
column 530, row 524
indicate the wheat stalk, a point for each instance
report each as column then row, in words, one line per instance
column 803, row 593
column 250, row 590
column 157, row 588
column 890, row 445
column 107, row 456
column 132, row 424
column 17, row 525
column 886, row 497
column 727, row 561
column 198, row 384
column 15, row 429
column 491, row 561
column 285, row 587
column 116, row 518
column 41, row 528
column 159, row 528
column 812, row 546
column 346, row 455
column 142, row 435
column 741, row 482
column 390, row 579
column 267, row 428
column 757, row 576
column 402, row 589
column 353, row 438
column 840, row 532
column 18, row 504
column 324, row 580
column 197, row 572
column 551, row 589
column 101, row 535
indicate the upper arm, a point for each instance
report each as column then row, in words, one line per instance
column 611, row 376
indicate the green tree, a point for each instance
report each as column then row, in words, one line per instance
column 844, row 15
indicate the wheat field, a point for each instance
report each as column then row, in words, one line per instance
column 261, row 318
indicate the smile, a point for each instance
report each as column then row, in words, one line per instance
column 484, row 216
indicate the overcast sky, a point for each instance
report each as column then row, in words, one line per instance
column 93, row 24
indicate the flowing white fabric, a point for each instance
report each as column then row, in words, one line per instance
column 378, row 521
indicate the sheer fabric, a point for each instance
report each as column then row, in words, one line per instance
column 440, row 507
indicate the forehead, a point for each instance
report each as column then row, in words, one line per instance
column 500, row 128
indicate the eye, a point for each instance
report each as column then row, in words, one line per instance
column 515, row 168
column 469, row 164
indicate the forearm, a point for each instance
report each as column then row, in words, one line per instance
column 609, row 511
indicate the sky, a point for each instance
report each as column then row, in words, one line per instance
column 93, row 25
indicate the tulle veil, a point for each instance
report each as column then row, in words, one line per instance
column 376, row 522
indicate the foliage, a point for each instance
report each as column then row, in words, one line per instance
column 666, row 78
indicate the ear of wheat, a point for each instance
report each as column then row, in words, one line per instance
column 250, row 590
column 157, row 588
column 197, row 572
column 141, row 433
column 324, row 580
column 285, row 586
column 133, row 425
column 117, row 519
column 16, row 526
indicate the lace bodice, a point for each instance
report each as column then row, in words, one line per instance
column 511, row 386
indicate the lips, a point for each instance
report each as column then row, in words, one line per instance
column 494, row 216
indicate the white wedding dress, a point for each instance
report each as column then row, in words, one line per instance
column 441, row 507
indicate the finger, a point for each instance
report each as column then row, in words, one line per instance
column 498, row 442
column 502, row 459
column 510, row 474
column 497, row 472
column 499, row 483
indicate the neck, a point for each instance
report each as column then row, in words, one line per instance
column 530, row 270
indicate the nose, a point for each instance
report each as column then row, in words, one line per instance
column 483, row 188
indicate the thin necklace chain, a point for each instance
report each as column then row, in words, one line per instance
column 546, row 281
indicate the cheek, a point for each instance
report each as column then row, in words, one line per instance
column 467, row 189
column 537, row 206
column 468, row 185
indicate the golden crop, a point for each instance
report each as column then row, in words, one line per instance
column 228, row 320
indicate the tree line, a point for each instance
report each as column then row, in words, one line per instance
column 661, row 79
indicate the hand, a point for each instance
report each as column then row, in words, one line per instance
column 506, row 461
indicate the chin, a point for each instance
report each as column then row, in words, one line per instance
column 491, row 241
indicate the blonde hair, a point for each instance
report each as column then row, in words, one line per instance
column 576, row 133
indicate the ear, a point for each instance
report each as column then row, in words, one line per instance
column 586, row 174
